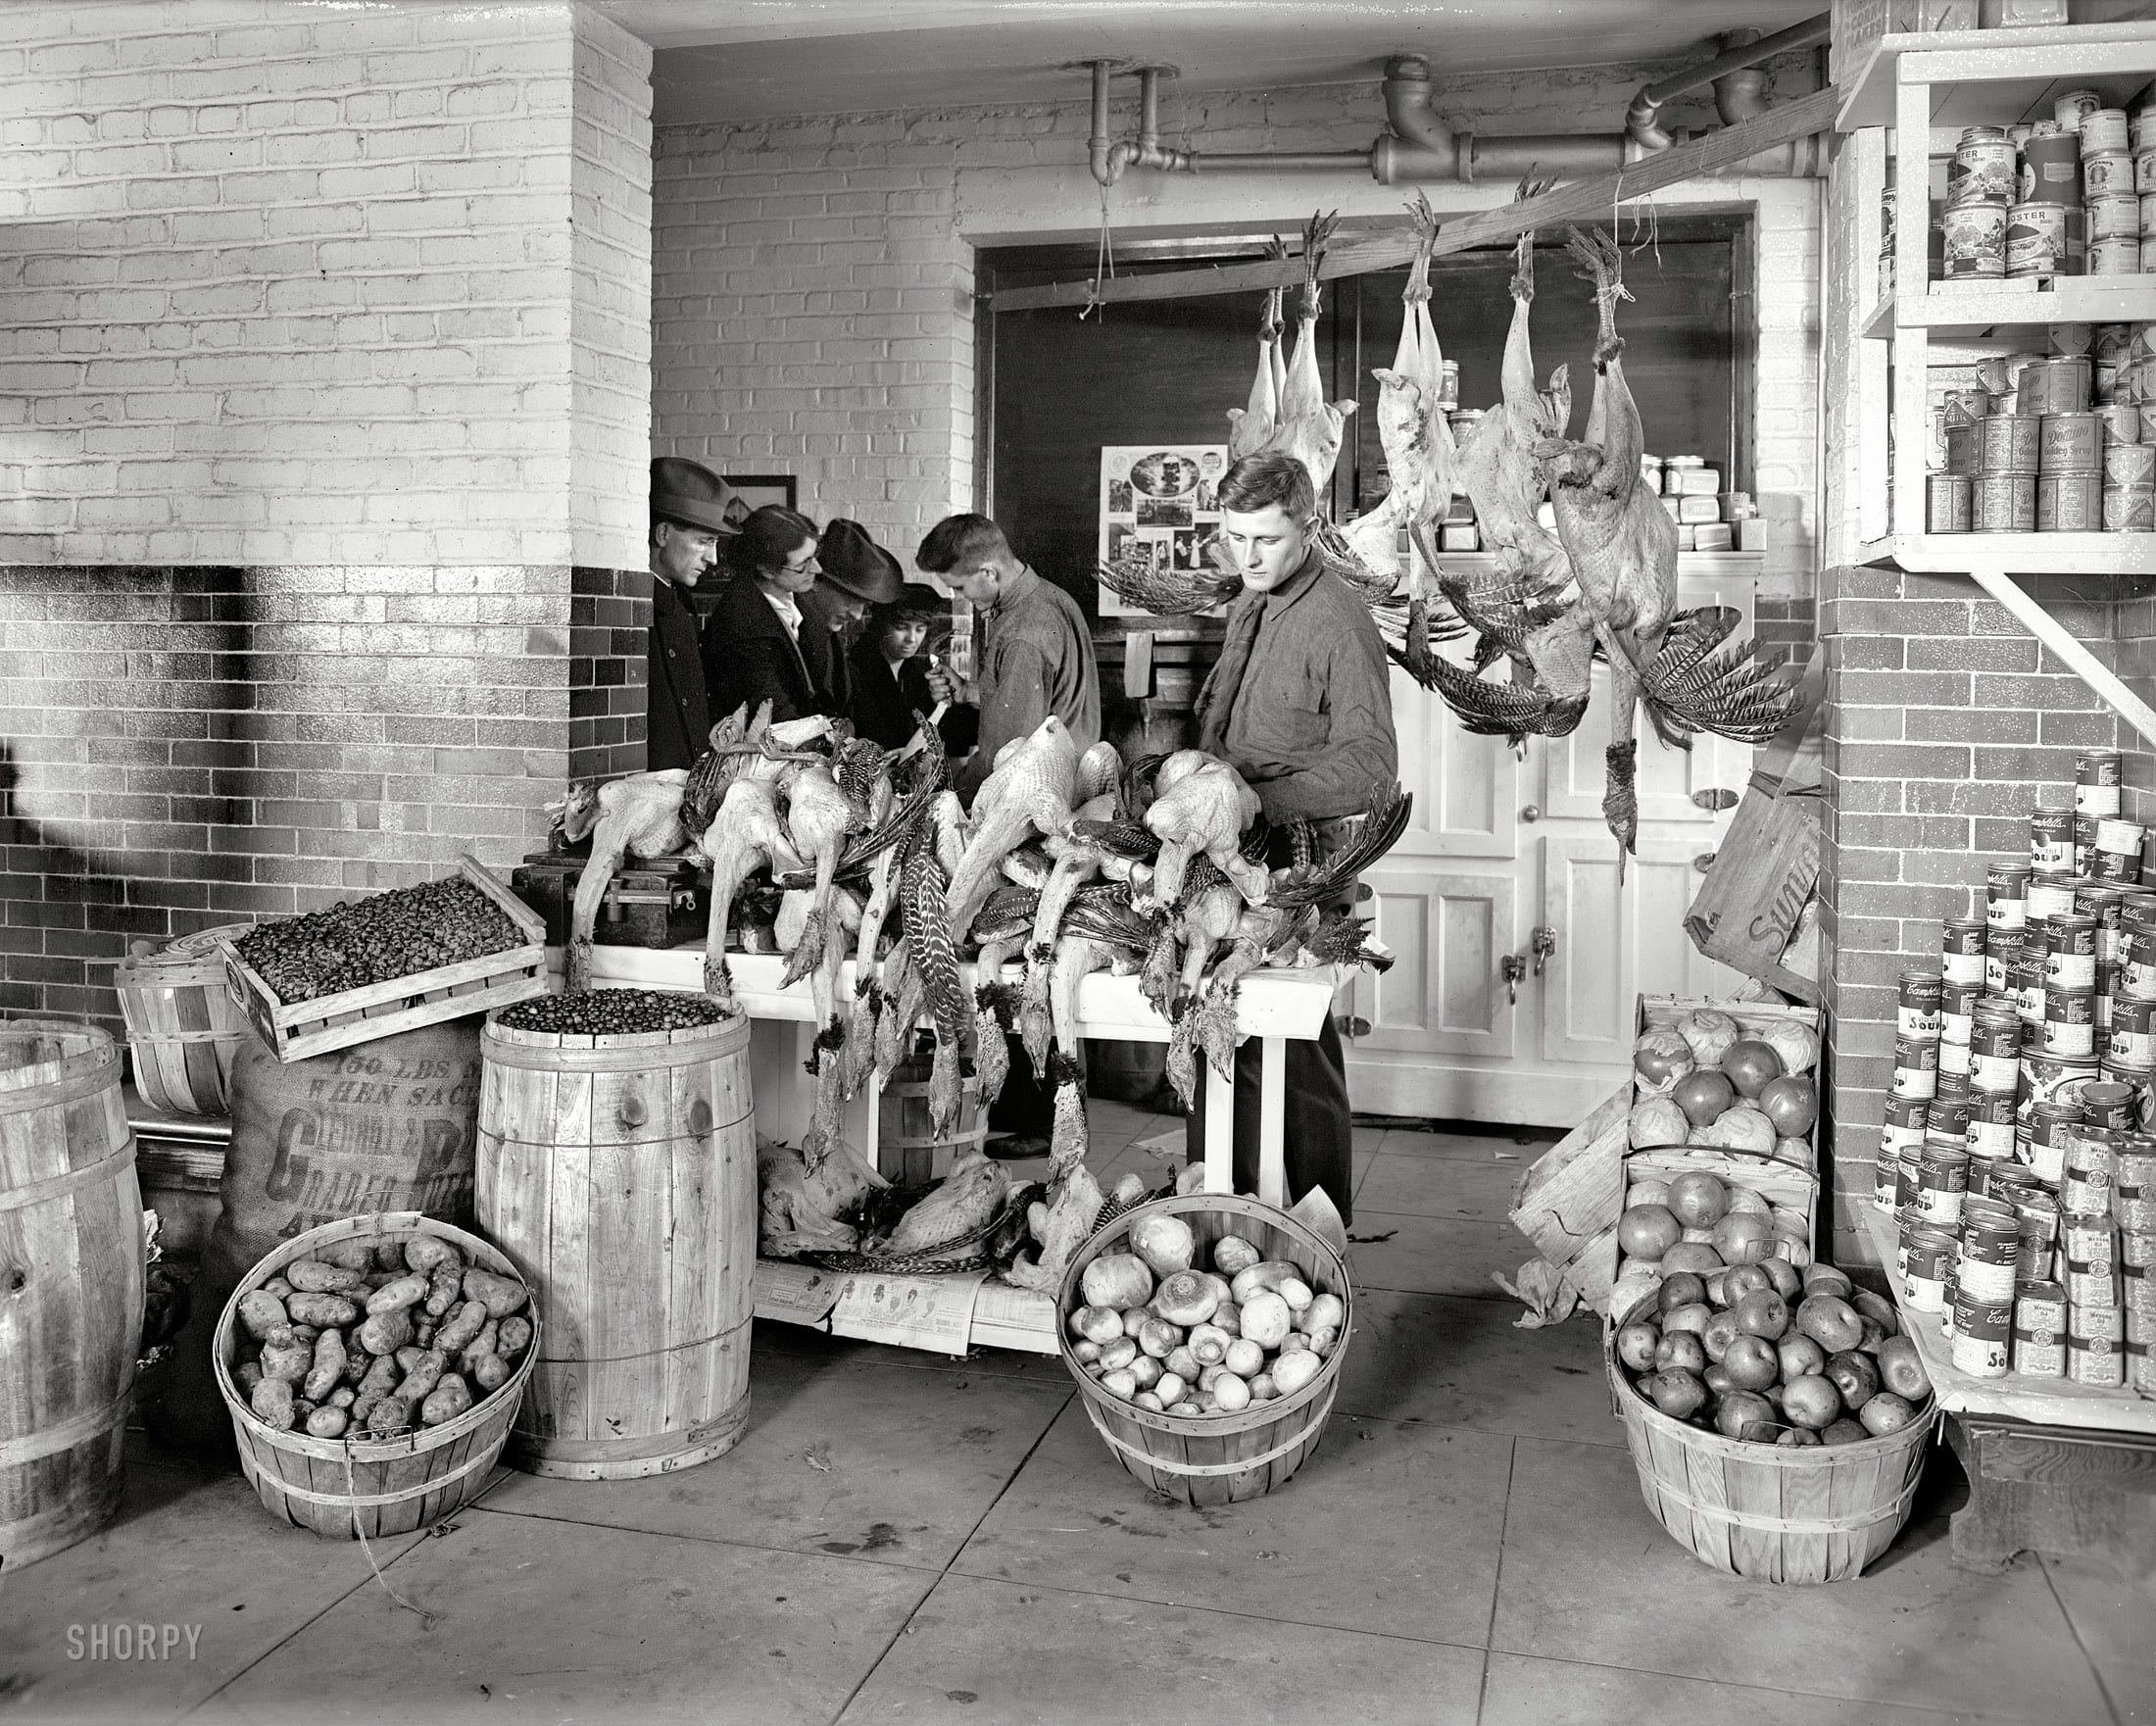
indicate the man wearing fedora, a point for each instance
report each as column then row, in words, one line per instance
column 690, row 522
column 856, row 574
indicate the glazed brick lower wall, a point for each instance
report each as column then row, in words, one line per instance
column 1946, row 723
column 185, row 745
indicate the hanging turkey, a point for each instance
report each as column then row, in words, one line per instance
column 1623, row 548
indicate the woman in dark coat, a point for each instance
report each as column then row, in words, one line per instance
column 893, row 675
column 752, row 640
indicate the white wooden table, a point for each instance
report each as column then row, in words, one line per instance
column 1273, row 1005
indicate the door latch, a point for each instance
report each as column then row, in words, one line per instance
column 1543, row 944
column 1514, row 968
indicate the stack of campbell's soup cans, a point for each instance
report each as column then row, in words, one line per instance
column 2017, row 1155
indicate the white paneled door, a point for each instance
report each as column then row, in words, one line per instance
column 1519, row 951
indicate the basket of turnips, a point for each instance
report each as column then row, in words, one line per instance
column 1206, row 1334
column 371, row 1368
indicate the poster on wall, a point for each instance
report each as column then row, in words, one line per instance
column 1159, row 502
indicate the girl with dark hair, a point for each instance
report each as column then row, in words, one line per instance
column 896, row 676
column 753, row 649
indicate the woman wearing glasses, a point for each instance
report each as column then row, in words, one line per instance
column 753, row 640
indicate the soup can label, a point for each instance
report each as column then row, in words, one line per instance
column 2118, row 856
column 1994, row 1054
column 1978, row 1357
column 2051, row 1126
column 1916, row 1068
column 2050, row 843
column 2109, row 1105
column 1917, row 1007
column 1953, row 1060
column 1942, row 1181
column 2138, row 912
column 2085, row 843
column 1925, row 1260
column 1904, row 1125
column 1957, row 1017
column 2005, row 895
column 1908, row 1166
column 2139, row 1085
column 1991, row 1125
column 1952, row 1087
column 1962, row 935
column 2133, row 1032
column 1883, row 1180
column 2027, row 988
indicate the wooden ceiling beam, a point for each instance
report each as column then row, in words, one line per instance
column 1579, row 200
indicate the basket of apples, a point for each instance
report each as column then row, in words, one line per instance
column 1778, row 1417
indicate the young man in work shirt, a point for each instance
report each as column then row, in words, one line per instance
column 1036, row 660
column 1037, row 655
column 1300, row 704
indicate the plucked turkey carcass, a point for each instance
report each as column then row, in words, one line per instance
column 1029, row 792
column 1203, row 808
column 638, row 816
column 968, row 1199
column 1623, row 549
column 1310, row 426
column 800, row 1208
column 1250, row 428
column 1420, row 458
column 746, row 835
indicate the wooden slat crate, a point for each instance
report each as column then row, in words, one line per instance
column 402, row 1004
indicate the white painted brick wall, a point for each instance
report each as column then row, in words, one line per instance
column 293, row 283
column 812, row 280
column 611, row 287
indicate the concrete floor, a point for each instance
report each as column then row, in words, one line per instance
column 901, row 1537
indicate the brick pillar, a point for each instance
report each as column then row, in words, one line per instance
column 327, row 354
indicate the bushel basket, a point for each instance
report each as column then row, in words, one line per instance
column 1811, row 1514
column 1209, row 1459
column 364, row 1488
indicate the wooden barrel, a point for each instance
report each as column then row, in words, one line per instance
column 1209, row 1459
column 620, row 1174
column 364, row 1486
column 908, row 1149
column 71, row 1284
column 183, row 1029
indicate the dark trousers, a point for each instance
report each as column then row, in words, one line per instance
column 1318, row 1129
column 1027, row 1105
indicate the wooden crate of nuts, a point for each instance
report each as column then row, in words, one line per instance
column 314, row 1026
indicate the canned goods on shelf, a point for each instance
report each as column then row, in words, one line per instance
column 2035, row 242
column 2009, row 443
column 1980, row 1356
column 1924, row 1262
column 2067, row 441
column 2134, row 1188
column 1990, row 1132
column 1983, row 165
column 1904, row 1125
column 2003, row 503
column 1942, row 1181
column 1952, row 1087
column 2121, row 422
column 1949, row 502
column 2139, row 1084
column 1967, row 407
column 2085, row 843
column 2070, row 952
column 2072, row 339
column 2115, row 216
column 2098, row 772
column 2069, row 1023
column 2047, row 1078
column 2052, row 896
column 2072, row 108
column 2138, row 912
column 2005, row 892
column 1916, row 1070
column 1917, row 1002
column 2144, row 172
column 2115, row 256
column 1953, row 1060
column 2058, row 383
column 2129, row 509
column 2101, row 129
column 2137, row 973
column 2107, row 174
column 2069, row 503
column 2090, row 1166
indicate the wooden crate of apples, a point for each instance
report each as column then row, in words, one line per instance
column 1721, row 1169
column 1767, row 1351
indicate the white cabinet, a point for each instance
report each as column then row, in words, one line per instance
column 1500, row 848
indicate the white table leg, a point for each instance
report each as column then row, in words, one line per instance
column 1272, row 1095
column 1220, row 1131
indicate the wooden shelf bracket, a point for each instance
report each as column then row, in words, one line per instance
column 2060, row 640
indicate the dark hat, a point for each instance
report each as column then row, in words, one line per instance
column 683, row 490
column 917, row 599
column 857, row 564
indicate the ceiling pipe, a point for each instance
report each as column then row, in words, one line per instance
column 1419, row 146
column 1639, row 118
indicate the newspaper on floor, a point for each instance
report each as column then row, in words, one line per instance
column 908, row 1311
column 795, row 1294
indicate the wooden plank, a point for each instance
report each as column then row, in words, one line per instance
column 1582, row 200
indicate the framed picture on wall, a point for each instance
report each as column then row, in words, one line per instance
column 755, row 490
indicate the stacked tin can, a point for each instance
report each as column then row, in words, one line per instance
column 2120, row 381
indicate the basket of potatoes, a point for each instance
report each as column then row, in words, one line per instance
column 372, row 1367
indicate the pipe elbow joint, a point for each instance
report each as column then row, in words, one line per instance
column 1640, row 123
column 1111, row 159
column 1409, row 96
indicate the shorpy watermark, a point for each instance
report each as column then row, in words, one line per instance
column 129, row 1639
